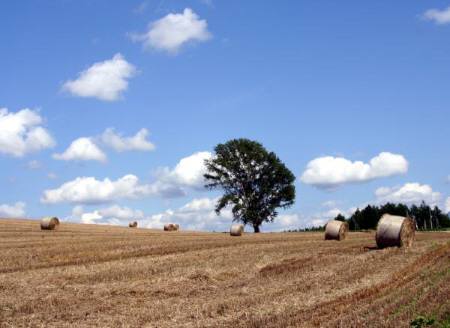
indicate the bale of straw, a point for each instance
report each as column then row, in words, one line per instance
column 49, row 223
column 237, row 230
column 171, row 227
column 336, row 230
column 395, row 231
column 133, row 224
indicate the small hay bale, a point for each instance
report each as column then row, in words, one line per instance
column 336, row 230
column 133, row 224
column 237, row 230
column 49, row 223
column 395, row 231
column 171, row 227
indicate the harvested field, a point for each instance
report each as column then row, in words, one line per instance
column 107, row 276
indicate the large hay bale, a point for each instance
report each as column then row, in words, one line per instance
column 237, row 230
column 336, row 230
column 49, row 223
column 395, row 231
column 133, row 224
column 171, row 227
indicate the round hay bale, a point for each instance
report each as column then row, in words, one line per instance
column 336, row 230
column 171, row 227
column 49, row 223
column 395, row 231
column 237, row 230
column 133, row 224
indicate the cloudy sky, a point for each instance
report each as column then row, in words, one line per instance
column 108, row 109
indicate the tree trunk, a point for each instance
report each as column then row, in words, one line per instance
column 256, row 228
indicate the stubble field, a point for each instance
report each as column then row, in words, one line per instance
column 91, row 275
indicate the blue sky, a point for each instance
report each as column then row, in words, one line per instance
column 327, row 85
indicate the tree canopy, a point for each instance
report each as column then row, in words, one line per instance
column 255, row 182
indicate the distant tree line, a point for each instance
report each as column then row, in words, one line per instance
column 310, row 229
column 425, row 217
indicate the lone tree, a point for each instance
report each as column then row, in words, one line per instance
column 255, row 182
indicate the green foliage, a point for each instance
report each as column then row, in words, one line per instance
column 340, row 217
column 255, row 182
column 445, row 323
column 422, row 321
column 426, row 218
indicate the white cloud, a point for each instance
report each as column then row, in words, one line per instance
column 440, row 17
column 330, row 172
column 321, row 218
column 114, row 215
column 82, row 149
column 12, row 211
column 288, row 222
column 89, row 190
column 21, row 133
column 410, row 193
column 52, row 176
column 119, row 143
column 187, row 174
column 105, row 80
column 171, row 32
column 447, row 205
column 198, row 214
column 87, row 149
column 294, row 221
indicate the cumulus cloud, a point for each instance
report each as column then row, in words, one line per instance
column 88, row 149
column 440, row 17
column 410, row 193
column 198, row 214
column 447, row 205
column 105, row 80
column 82, row 149
column 89, row 190
column 288, row 222
column 114, row 215
column 120, row 143
column 16, row 210
column 186, row 175
column 171, row 32
column 21, row 133
column 321, row 218
column 188, row 172
column 330, row 172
